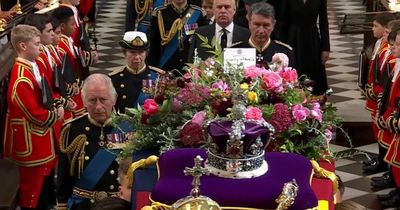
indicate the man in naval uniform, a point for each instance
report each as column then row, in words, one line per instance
column 171, row 27
column 128, row 81
column 138, row 14
column 87, row 168
column 261, row 25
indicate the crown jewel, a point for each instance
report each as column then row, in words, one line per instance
column 237, row 146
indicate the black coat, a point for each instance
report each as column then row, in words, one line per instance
column 299, row 30
column 240, row 36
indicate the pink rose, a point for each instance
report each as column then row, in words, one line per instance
column 254, row 72
column 272, row 80
column 199, row 118
column 316, row 114
column 253, row 113
column 316, row 111
column 150, row 107
column 289, row 75
column 300, row 113
column 220, row 85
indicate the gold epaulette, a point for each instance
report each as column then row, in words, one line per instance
column 158, row 70
column 203, row 12
column 154, row 13
column 74, row 119
column 117, row 71
column 283, row 44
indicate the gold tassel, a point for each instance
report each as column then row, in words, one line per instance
column 143, row 163
column 142, row 11
column 167, row 37
column 323, row 173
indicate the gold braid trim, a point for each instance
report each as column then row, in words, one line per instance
column 143, row 163
column 142, row 11
column 176, row 25
column 76, row 149
column 323, row 173
column 156, row 206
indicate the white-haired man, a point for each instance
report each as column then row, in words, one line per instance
column 87, row 168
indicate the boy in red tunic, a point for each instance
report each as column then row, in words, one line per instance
column 29, row 137
column 79, row 58
column 389, row 120
column 373, row 88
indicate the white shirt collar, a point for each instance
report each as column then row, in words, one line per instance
column 229, row 28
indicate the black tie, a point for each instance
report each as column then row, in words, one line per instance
column 224, row 38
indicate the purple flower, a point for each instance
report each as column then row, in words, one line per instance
column 300, row 113
column 199, row 118
column 220, row 85
column 328, row 135
column 176, row 105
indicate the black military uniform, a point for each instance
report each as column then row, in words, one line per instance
column 169, row 51
column 129, row 83
column 87, row 169
column 272, row 47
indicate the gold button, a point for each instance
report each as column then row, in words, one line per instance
column 87, row 128
column 111, row 187
column 121, row 75
column 86, row 157
column 112, row 172
column 91, row 201
column 86, row 143
column 122, row 85
column 124, row 97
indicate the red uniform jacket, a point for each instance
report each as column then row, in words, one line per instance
column 372, row 89
column 390, row 120
column 29, row 138
column 66, row 47
column 386, row 135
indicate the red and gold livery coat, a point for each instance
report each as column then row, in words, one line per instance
column 372, row 89
column 390, row 120
column 66, row 47
column 386, row 135
column 29, row 138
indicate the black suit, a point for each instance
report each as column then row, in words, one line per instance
column 240, row 36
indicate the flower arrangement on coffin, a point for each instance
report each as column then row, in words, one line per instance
column 178, row 110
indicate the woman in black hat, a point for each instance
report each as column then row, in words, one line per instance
column 129, row 81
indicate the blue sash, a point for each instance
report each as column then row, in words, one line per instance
column 144, row 178
column 144, row 25
column 172, row 46
column 92, row 174
column 142, row 96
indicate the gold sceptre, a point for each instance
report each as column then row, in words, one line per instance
column 18, row 9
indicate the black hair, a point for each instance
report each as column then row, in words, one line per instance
column 384, row 18
column 63, row 14
column 38, row 21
